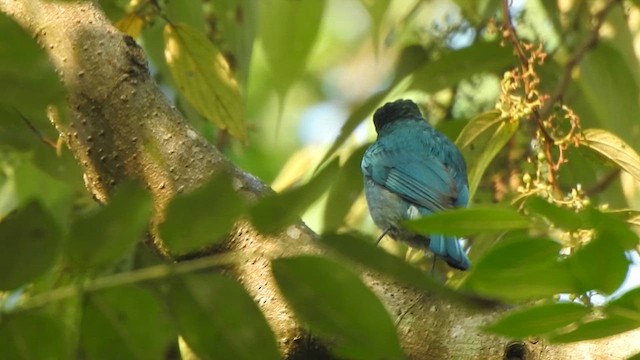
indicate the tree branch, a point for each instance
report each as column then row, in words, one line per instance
column 123, row 127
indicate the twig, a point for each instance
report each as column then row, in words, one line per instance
column 36, row 131
column 525, row 65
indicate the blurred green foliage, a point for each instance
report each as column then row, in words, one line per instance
column 556, row 200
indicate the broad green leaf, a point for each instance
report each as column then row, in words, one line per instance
column 559, row 216
column 344, row 191
column 376, row 9
column 453, row 67
column 538, row 320
column 29, row 81
column 609, row 85
column 104, row 235
column 219, row 320
column 478, row 11
column 611, row 228
column 477, row 126
column 521, row 269
column 503, row 133
column 613, row 148
column 357, row 249
column 634, row 357
column 357, row 116
column 469, row 221
column 626, row 306
column 600, row 253
column 125, row 323
column 597, row 329
column 277, row 211
column 187, row 12
column 335, row 303
column 30, row 243
column 202, row 217
column 203, row 76
column 288, row 31
column 32, row 335
column 237, row 22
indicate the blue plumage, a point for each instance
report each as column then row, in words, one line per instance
column 412, row 170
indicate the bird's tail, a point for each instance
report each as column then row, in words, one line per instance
column 450, row 250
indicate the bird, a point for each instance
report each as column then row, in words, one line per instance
column 411, row 171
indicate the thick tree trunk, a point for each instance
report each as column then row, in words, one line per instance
column 123, row 127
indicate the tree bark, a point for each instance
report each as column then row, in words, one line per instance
column 122, row 127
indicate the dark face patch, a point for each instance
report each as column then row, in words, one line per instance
column 397, row 110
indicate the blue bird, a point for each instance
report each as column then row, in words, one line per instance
column 413, row 170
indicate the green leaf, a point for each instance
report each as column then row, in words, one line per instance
column 202, row 217
column 219, row 320
column 29, row 81
column 476, row 126
column 612, row 148
column 498, row 140
column 237, row 23
column 125, row 323
column 559, row 216
column 288, row 31
column 357, row 116
column 104, row 235
column 335, row 303
column 32, row 335
column 203, row 76
column 521, row 269
column 30, row 243
column 611, row 227
column 600, row 253
column 376, row 9
column 634, row 357
column 275, row 212
column 538, row 320
column 456, row 66
column 469, row 221
column 597, row 329
column 627, row 305
column 345, row 190
column 609, row 85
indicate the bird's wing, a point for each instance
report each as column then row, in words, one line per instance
column 420, row 179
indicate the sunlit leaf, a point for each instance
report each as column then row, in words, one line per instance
column 453, row 67
column 275, row 212
column 335, row 303
column 600, row 253
column 32, row 336
column 344, row 191
column 203, row 76
column 238, row 25
column 131, row 24
column 503, row 133
column 613, row 148
column 468, row 221
column 125, row 323
column 30, row 243
column 219, row 320
column 538, row 320
column 202, row 217
column 476, row 126
column 597, row 329
column 104, row 235
column 521, row 269
column 559, row 216
column 629, row 301
column 288, row 31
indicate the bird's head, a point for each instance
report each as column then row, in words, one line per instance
column 393, row 111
